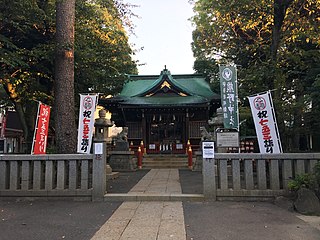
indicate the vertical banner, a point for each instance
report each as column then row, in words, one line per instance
column 229, row 96
column 40, row 138
column 86, row 122
column 265, row 123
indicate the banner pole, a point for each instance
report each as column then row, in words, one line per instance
column 275, row 121
column 261, row 93
column 35, row 127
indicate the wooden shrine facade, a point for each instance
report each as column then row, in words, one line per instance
column 163, row 111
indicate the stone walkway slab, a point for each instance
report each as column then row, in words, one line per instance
column 156, row 220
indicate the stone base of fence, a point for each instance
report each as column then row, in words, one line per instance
column 76, row 195
column 248, row 195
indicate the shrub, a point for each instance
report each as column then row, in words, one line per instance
column 308, row 180
column 317, row 174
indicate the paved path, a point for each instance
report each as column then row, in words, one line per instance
column 148, row 220
column 154, row 220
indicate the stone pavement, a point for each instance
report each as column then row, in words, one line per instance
column 148, row 220
column 175, row 220
column 190, row 220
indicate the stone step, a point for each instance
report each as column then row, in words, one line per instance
column 163, row 167
column 165, row 155
column 164, row 161
column 153, row 197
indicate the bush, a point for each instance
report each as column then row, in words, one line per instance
column 317, row 174
column 307, row 180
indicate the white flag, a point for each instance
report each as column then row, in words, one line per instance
column 265, row 123
column 86, row 122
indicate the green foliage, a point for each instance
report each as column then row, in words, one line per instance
column 102, row 52
column 275, row 45
column 27, row 28
column 210, row 70
column 26, row 36
column 307, row 180
column 51, row 149
column 301, row 180
column 317, row 173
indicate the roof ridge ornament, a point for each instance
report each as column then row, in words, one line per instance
column 165, row 71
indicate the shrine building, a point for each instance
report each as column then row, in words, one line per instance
column 164, row 111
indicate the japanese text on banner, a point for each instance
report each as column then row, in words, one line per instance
column 86, row 122
column 265, row 123
column 41, row 131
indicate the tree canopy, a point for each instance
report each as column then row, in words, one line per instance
column 27, row 31
column 275, row 45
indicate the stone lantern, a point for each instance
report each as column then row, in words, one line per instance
column 217, row 122
column 101, row 127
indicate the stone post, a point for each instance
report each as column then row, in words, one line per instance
column 209, row 179
column 100, row 166
column 99, row 171
column 208, row 170
column 209, row 166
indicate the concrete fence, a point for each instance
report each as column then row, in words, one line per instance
column 74, row 176
column 256, row 176
column 53, row 175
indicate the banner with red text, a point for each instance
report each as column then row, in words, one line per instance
column 40, row 138
column 265, row 123
column 86, row 122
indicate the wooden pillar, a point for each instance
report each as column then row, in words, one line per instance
column 186, row 134
column 144, row 127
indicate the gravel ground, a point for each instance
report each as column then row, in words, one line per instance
column 125, row 181
column 244, row 221
column 39, row 220
column 191, row 182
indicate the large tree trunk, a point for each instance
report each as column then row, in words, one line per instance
column 279, row 13
column 64, row 114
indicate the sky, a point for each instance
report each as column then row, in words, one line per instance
column 165, row 33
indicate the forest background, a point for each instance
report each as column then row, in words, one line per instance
column 274, row 44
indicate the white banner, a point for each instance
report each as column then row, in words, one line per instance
column 265, row 123
column 86, row 122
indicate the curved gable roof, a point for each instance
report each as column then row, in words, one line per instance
column 141, row 85
column 185, row 89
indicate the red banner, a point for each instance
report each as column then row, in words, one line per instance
column 41, row 131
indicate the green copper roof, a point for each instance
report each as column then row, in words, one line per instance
column 167, row 101
column 185, row 90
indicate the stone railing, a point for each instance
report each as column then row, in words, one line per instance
column 52, row 176
column 243, row 176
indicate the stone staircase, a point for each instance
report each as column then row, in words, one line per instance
column 165, row 161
